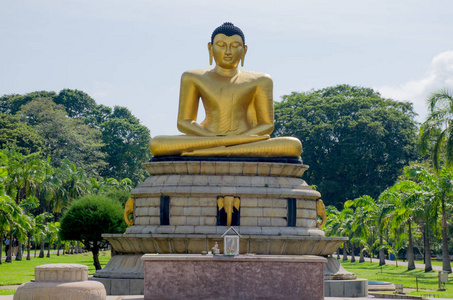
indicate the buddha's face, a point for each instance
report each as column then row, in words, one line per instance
column 227, row 50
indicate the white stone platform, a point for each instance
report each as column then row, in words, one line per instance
column 61, row 281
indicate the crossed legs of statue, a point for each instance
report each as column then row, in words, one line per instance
column 228, row 146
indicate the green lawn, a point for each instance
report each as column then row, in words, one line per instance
column 427, row 282
column 23, row 271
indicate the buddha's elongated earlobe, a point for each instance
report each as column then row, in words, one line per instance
column 243, row 55
column 210, row 53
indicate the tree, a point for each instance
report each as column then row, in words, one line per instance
column 438, row 192
column 11, row 104
column 355, row 141
column 52, row 234
column 77, row 103
column 406, row 212
column 88, row 218
column 23, row 136
column 10, row 220
column 363, row 224
column 439, row 126
column 64, row 137
column 383, row 216
column 71, row 125
column 7, row 210
column 126, row 143
column 73, row 184
column 399, row 242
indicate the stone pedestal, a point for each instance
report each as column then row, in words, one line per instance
column 61, row 281
column 176, row 211
column 181, row 276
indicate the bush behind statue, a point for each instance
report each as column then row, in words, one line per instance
column 88, row 218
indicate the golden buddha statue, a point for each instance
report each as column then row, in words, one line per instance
column 238, row 105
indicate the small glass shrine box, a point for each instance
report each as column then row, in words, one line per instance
column 231, row 242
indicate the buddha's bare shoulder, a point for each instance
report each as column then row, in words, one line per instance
column 195, row 73
column 262, row 78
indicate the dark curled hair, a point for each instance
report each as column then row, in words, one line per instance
column 228, row 29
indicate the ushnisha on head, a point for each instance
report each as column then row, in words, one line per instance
column 227, row 46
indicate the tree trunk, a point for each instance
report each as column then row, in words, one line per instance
column 28, row 246
column 48, row 250
column 352, row 253
column 381, row 252
column 362, row 256
column 345, row 253
column 95, row 251
column 338, row 253
column 1, row 245
column 410, row 250
column 9, row 255
column 41, row 251
column 428, row 266
column 19, row 251
column 446, row 265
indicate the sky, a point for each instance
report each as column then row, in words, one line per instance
column 132, row 53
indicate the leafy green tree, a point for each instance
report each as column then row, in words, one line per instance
column 126, row 144
column 99, row 115
column 439, row 126
column 355, row 141
column 64, row 137
column 77, row 103
column 23, row 136
column 71, row 125
column 88, row 218
column 11, row 104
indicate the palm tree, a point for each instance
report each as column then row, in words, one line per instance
column 382, row 216
column 363, row 223
column 400, row 240
column 346, row 219
column 406, row 212
column 21, row 232
column 52, row 234
column 438, row 189
column 10, row 220
column 439, row 126
column 332, row 225
column 72, row 184
column 6, row 217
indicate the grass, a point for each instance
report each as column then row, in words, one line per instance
column 427, row 282
column 23, row 271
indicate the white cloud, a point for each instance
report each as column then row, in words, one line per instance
column 438, row 76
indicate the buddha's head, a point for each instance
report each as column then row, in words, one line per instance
column 227, row 46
